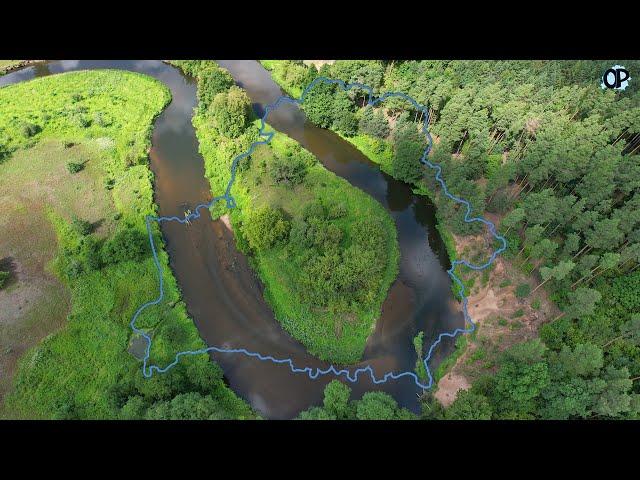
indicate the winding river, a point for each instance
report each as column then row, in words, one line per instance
column 222, row 293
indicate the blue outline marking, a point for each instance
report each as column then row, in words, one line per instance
column 314, row 373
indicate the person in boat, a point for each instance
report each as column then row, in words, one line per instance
column 187, row 214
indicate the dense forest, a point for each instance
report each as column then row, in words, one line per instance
column 553, row 158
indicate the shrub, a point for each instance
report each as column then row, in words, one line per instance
column 337, row 210
column 82, row 226
column 3, row 278
column 30, row 129
column 500, row 202
column 101, row 120
column 127, row 244
column 373, row 123
column 81, row 120
column 265, row 227
column 409, row 146
column 74, row 167
column 523, row 290
column 290, row 171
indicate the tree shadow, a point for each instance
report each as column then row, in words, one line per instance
column 96, row 225
column 7, row 264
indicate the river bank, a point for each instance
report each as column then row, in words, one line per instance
column 8, row 66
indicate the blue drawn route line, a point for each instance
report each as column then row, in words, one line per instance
column 314, row 373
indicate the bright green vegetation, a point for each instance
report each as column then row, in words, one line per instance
column 372, row 406
column 4, row 276
column 555, row 158
column 325, row 251
column 101, row 120
column 291, row 75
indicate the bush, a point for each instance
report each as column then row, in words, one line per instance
column 523, row 290
column 409, row 146
column 81, row 121
column 265, row 227
column 74, row 167
column 30, row 129
column 290, row 171
column 3, row 278
column 337, row 210
column 127, row 244
column 101, row 120
column 82, row 226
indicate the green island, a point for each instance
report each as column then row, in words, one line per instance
column 325, row 251
column 76, row 186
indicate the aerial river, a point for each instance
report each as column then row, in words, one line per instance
column 222, row 293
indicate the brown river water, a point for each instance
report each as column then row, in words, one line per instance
column 224, row 296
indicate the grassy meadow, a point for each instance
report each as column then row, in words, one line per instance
column 74, row 189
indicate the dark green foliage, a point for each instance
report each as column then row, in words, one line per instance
column 30, row 129
column 469, row 406
column 336, row 400
column 373, row 122
column 127, row 244
column 523, row 290
column 409, row 145
column 316, row 413
column 334, row 272
column 4, row 276
column 73, row 167
column 522, row 377
column 318, row 104
column 344, row 119
column 372, row 406
column 288, row 171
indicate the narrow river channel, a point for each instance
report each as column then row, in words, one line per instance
column 222, row 293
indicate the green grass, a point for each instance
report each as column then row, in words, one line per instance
column 78, row 368
column 279, row 73
column 377, row 150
